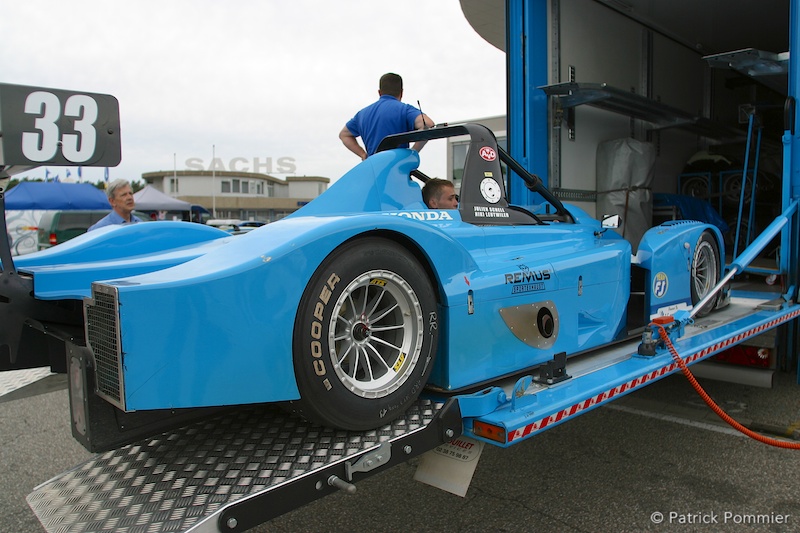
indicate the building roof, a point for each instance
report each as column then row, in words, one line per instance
column 228, row 173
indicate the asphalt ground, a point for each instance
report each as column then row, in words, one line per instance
column 655, row 460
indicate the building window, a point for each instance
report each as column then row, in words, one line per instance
column 173, row 185
column 242, row 186
column 459, row 158
column 270, row 189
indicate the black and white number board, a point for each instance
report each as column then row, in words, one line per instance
column 41, row 126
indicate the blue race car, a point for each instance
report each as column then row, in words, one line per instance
column 348, row 309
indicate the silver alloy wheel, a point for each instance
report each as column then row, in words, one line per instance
column 704, row 269
column 375, row 335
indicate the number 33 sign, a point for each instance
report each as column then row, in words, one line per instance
column 41, row 126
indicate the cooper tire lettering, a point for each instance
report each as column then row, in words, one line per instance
column 366, row 335
column 316, row 326
column 325, row 295
column 316, row 349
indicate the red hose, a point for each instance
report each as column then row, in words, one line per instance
column 714, row 407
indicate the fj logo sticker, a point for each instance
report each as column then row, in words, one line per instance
column 660, row 285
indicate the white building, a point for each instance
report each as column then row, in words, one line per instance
column 239, row 195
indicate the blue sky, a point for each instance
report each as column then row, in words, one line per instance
column 252, row 79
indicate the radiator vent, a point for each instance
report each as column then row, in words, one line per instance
column 102, row 334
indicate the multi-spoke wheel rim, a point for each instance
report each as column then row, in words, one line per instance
column 376, row 333
column 732, row 188
column 695, row 186
column 704, row 269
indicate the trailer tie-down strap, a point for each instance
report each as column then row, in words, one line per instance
column 712, row 404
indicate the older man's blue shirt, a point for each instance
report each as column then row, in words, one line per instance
column 113, row 219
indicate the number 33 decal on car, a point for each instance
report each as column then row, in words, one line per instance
column 51, row 126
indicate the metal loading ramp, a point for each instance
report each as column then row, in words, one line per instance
column 229, row 473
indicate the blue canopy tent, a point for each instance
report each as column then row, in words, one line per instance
column 25, row 202
column 55, row 195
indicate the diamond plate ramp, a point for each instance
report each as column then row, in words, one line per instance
column 182, row 480
column 12, row 380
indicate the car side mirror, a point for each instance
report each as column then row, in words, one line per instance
column 611, row 222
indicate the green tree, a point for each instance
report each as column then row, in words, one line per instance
column 136, row 185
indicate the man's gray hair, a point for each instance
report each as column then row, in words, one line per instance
column 111, row 190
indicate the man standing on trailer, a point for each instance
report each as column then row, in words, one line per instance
column 388, row 116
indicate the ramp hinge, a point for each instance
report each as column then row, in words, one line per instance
column 370, row 460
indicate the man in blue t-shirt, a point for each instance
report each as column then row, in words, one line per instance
column 385, row 117
column 120, row 196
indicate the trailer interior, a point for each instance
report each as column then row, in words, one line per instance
column 658, row 111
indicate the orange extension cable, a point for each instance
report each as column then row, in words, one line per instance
column 714, row 407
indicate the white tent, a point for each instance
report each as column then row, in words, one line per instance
column 150, row 199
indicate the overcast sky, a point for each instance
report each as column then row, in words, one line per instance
column 254, row 78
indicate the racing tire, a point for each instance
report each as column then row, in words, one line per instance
column 696, row 187
column 366, row 335
column 732, row 189
column 731, row 244
column 705, row 271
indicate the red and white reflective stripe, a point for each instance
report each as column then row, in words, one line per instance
column 641, row 380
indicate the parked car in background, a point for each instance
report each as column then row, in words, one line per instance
column 252, row 224
column 56, row 227
column 248, row 225
column 227, row 224
column 234, row 226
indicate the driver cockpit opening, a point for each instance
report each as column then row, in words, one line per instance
column 482, row 195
